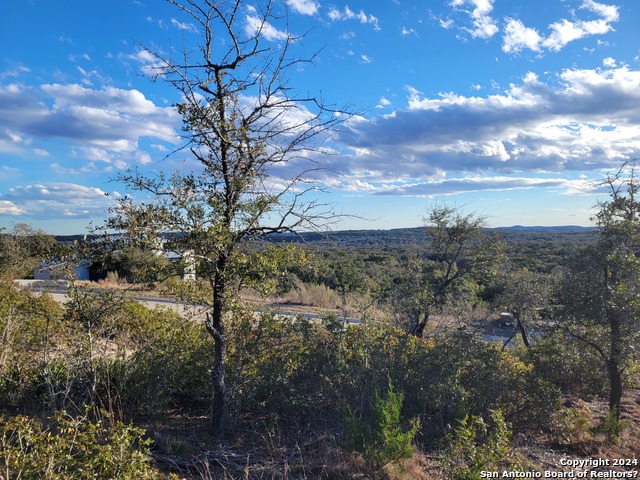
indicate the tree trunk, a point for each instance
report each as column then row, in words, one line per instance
column 613, row 366
column 615, row 383
column 215, row 326
column 523, row 332
column 418, row 329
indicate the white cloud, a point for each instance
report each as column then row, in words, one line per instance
column 446, row 24
column 304, row 7
column 562, row 33
column 107, row 118
column 96, row 155
column 365, row 58
column 143, row 158
column 149, row 63
column 335, row 14
column 607, row 12
column 518, row 37
column 581, row 120
column 56, row 167
column 384, row 102
column 14, row 72
column 455, row 186
column 258, row 26
column 484, row 25
column 55, row 201
column 187, row 27
column 10, row 208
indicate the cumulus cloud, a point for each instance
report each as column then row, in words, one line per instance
column 303, row 7
column 108, row 118
column 581, row 120
column 335, row 15
column 55, row 201
column 608, row 12
column 518, row 37
column 384, row 102
column 484, row 25
column 10, row 208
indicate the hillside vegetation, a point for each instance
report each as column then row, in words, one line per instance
column 125, row 391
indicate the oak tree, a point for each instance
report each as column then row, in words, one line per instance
column 602, row 290
column 460, row 255
column 243, row 124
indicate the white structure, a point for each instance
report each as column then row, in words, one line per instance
column 53, row 270
column 188, row 257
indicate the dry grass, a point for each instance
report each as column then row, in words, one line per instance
column 575, row 435
column 313, row 295
column 187, row 450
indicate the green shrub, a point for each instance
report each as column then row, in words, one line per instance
column 476, row 446
column 73, row 448
column 381, row 439
column 567, row 364
column 571, row 425
column 612, row 427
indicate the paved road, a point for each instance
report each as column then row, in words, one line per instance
column 498, row 335
column 59, row 294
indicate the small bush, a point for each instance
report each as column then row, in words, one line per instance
column 476, row 446
column 572, row 425
column 73, row 448
column 316, row 295
column 382, row 438
column 612, row 427
column 113, row 278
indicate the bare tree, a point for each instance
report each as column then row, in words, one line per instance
column 241, row 120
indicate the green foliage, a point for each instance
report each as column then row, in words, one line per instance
column 567, row 364
column 22, row 249
column 134, row 265
column 612, row 427
column 32, row 335
column 463, row 375
column 381, row 438
column 118, row 355
column 73, row 448
column 476, row 445
column 601, row 291
column 461, row 257
column 571, row 425
column 283, row 368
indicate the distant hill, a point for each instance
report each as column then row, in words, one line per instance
column 407, row 236
column 416, row 236
column 565, row 228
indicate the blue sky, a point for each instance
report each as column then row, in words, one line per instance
column 509, row 108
